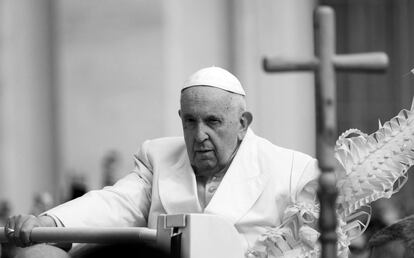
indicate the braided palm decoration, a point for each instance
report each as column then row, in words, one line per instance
column 374, row 166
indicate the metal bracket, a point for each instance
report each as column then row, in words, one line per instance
column 168, row 233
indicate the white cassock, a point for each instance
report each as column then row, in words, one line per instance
column 259, row 184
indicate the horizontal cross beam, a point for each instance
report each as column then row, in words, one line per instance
column 360, row 62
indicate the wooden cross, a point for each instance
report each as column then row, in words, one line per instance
column 324, row 66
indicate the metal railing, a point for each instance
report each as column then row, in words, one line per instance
column 89, row 235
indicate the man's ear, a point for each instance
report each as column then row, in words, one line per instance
column 179, row 113
column 245, row 120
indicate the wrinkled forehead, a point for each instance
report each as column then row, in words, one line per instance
column 204, row 94
column 210, row 100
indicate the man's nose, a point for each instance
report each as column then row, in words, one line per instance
column 201, row 134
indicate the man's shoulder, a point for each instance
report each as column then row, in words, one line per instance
column 271, row 150
column 166, row 149
column 286, row 164
column 164, row 144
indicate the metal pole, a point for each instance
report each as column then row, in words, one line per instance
column 327, row 194
column 89, row 235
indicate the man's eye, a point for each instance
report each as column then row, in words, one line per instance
column 213, row 121
column 189, row 121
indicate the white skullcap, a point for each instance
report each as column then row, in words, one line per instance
column 215, row 77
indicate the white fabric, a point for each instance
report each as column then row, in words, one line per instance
column 259, row 184
column 215, row 77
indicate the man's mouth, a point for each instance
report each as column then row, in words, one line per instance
column 203, row 151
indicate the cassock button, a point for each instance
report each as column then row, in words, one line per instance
column 212, row 189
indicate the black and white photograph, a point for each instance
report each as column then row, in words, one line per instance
column 206, row 128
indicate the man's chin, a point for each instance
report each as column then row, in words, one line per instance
column 203, row 169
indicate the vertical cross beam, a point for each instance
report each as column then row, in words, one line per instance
column 325, row 64
column 325, row 80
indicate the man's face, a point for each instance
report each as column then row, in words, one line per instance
column 211, row 126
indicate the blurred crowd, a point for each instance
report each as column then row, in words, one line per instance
column 44, row 201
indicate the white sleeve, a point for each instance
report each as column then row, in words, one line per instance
column 126, row 203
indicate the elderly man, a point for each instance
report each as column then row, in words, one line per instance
column 219, row 167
